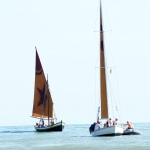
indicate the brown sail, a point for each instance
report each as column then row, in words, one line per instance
column 43, row 104
column 103, row 90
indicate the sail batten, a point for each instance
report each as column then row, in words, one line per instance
column 42, row 104
column 103, row 88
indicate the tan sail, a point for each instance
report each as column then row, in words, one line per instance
column 103, row 90
column 43, row 104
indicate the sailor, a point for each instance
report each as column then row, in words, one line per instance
column 110, row 123
column 130, row 126
column 97, row 126
column 115, row 122
column 52, row 122
column 105, row 125
column 91, row 128
column 43, row 124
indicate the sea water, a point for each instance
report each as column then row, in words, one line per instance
column 73, row 137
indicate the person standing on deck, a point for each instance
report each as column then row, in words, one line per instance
column 97, row 126
column 115, row 122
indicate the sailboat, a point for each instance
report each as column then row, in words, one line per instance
column 103, row 108
column 43, row 106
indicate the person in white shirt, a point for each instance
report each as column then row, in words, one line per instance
column 115, row 122
column 97, row 126
column 110, row 123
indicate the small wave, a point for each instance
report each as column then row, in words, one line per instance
column 15, row 132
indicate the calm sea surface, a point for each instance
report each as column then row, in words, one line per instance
column 73, row 137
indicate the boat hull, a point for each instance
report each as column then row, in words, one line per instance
column 53, row 128
column 131, row 132
column 109, row 131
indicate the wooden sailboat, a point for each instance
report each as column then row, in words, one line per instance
column 113, row 129
column 43, row 107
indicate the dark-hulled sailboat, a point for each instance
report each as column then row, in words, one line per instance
column 43, row 104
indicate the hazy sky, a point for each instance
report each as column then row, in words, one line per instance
column 67, row 39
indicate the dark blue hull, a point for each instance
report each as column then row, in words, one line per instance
column 54, row 128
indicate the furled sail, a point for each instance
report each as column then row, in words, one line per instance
column 43, row 104
column 103, row 90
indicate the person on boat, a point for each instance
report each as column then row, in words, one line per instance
column 110, row 122
column 115, row 122
column 38, row 125
column 91, row 128
column 51, row 122
column 106, row 124
column 130, row 126
column 97, row 126
column 42, row 124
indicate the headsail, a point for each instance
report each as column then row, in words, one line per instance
column 103, row 90
column 43, row 104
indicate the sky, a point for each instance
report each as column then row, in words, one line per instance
column 66, row 34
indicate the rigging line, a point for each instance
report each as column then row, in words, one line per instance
column 54, row 115
column 112, row 59
column 98, row 46
column 95, row 89
column 107, row 14
column 111, row 93
column 117, row 85
column 118, row 92
column 97, row 58
column 118, row 110
column 97, row 62
column 109, row 50
column 116, row 78
column 97, row 97
column 97, row 12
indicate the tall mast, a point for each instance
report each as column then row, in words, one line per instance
column 103, row 89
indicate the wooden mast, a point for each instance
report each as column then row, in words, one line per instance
column 103, row 90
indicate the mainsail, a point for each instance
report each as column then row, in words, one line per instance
column 43, row 104
column 103, row 90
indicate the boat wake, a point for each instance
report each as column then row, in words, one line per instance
column 16, row 132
